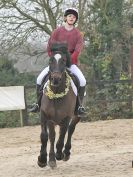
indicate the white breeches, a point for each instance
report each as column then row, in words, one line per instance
column 73, row 68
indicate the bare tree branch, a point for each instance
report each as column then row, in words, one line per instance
column 27, row 17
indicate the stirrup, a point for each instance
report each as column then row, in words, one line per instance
column 35, row 108
column 81, row 110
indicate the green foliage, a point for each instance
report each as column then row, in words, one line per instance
column 106, row 58
column 9, row 119
column 10, row 76
column 107, row 45
column 108, row 100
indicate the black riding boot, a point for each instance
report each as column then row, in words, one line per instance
column 36, row 106
column 81, row 109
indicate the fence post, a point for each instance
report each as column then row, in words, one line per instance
column 21, row 119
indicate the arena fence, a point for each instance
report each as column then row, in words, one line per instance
column 104, row 100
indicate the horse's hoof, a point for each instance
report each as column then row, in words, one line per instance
column 52, row 164
column 59, row 156
column 40, row 164
column 66, row 157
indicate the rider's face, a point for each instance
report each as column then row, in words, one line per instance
column 70, row 19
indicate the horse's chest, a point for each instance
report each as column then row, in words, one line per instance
column 58, row 108
column 55, row 107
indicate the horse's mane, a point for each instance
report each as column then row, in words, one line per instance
column 59, row 47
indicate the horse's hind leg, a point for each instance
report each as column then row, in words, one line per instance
column 60, row 143
column 42, row 159
column 71, row 129
column 52, row 160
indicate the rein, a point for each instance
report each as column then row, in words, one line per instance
column 51, row 95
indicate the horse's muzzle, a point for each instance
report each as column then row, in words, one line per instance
column 56, row 79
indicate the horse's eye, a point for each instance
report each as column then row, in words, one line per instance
column 64, row 59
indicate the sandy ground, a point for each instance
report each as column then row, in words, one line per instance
column 99, row 149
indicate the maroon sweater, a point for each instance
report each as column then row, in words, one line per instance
column 73, row 38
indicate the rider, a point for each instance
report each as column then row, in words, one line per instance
column 72, row 36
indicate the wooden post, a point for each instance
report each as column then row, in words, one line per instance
column 21, row 119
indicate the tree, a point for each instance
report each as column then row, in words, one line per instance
column 10, row 76
column 21, row 20
column 104, row 23
column 29, row 20
column 109, row 39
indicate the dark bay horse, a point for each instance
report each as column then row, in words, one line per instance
column 57, row 108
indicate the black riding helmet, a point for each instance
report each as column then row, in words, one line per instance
column 71, row 11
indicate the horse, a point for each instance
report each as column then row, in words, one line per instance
column 57, row 108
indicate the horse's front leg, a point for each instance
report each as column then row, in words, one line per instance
column 60, row 143
column 52, row 160
column 71, row 129
column 42, row 158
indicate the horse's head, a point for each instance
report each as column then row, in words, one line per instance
column 57, row 66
